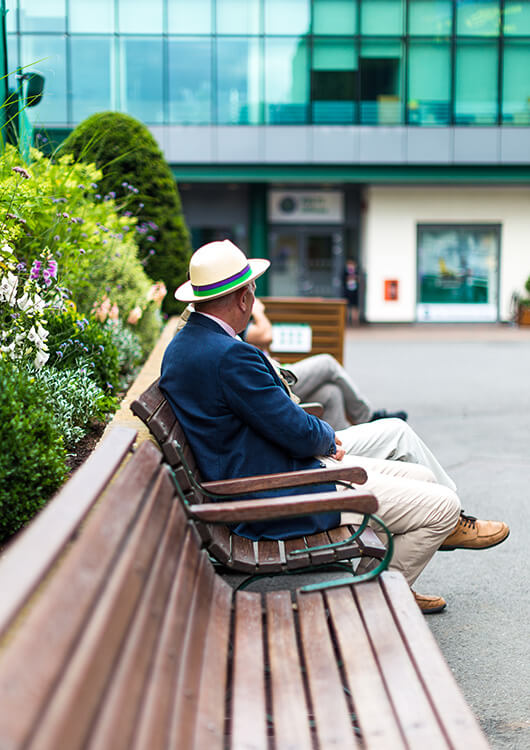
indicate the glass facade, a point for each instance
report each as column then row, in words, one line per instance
column 232, row 62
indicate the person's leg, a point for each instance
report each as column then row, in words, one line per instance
column 419, row 512
column 392, row 439
column 313, row 372
column 331, row 398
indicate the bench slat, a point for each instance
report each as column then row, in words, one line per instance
column 162, row 421
column 75, row 701
column 183, row 716
column 26, row 562
column 121, row 704
column 339, row 535
column 243, row 552
column 289, row 708
column 375, row 716
column 57, row 618
column 248, row 710
column 154, row 719
column 148, row 402
column 322, row 556
column 210, row 727
column 454, row 714
column 298, row 561
column 331, row 711
column 269, row 557
column 417, row 720
column 219, row 542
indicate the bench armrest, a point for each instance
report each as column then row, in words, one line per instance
column 349, row 501
column 312, row 407
column 241, row 486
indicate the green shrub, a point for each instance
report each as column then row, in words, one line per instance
column 32, row 459
column 83, row 344
column 134, row 168
column 75, row 400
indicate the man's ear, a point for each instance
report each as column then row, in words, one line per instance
column 242, row 298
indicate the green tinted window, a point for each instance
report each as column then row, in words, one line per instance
column 238, row 81
column 190, row 81
column 478, row 18
column 136, row 18
column 334, row 17
column 430, row 18
column 36, row 15
column 185, row 17
column 334, row 81
column 50, row 52
column 11, row 17
column 238, row 16
column 516, row 83
column 381, row 82
column 429, row 83
column 286, row 80
column 141, row 78
column 97, row 15
column 91, row 72
column 287, row 16
column 382, row 17
column 516, row 17
column 476, row 83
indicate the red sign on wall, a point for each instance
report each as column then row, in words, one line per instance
column 391, row 290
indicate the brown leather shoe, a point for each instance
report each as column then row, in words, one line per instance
column 472, row 534
column 430, row 605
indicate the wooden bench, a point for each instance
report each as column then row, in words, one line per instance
column 116, row 632
column 231, row 550
column 326, row 317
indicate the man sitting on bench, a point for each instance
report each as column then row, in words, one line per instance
column 240, row 421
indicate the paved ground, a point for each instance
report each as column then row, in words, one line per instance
column 467, row 391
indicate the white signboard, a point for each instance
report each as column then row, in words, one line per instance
column 291, row 337
column 456, row 313
column 306, row 206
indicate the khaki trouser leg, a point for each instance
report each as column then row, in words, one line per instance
column 419, row 512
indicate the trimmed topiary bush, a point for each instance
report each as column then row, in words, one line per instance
column 133, row 167
column 32, row 459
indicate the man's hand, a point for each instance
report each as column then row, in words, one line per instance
column 258, row 308
column 340, row 452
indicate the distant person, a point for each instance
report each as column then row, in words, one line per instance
column 351, row 291
column 319, row 378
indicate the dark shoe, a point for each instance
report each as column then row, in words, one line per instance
column 470, row 533
column 384, row 414
column 430, row 605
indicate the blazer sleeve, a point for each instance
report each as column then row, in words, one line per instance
column 253, row 393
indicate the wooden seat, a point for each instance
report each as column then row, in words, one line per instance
column 230, row 550
column 125, row 637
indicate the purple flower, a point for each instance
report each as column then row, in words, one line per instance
column 65, row 215
column 127, row 213
column 35, row 270
column 140, row 205
column 81, row 187
column 125, row 229
column 124, row 184
column 81, row 251
column 150, row 238
column 151, row 251
column 98, row 196
column 153, row 226
column 21, row 266
column 56, row 238
column 93, row 185
column 59, row 353
column 21, row 171
column 52, row 268
column 112, row 194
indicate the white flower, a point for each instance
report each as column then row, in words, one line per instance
column 8, row 288
column 42, row 332
column 8, row 349
column 25, row 302
column 6, row 250
column 39, row 303
column 41, row 358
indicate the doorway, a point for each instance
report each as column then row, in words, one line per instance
column 306, row 262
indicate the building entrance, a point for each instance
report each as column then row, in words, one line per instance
column 306, row 262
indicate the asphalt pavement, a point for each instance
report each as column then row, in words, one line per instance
column 467, row 392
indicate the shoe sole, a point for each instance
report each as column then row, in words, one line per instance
column 447, row 548
column 434, row 610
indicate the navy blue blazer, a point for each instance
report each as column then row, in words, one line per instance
column 240, row 421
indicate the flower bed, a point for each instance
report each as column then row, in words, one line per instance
column 78, row 314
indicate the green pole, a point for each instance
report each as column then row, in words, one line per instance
column 258, row 231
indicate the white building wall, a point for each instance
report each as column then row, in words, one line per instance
column 390, row 219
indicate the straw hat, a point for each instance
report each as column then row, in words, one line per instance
column 219, row 268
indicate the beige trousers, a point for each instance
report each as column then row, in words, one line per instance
column 419, row 512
